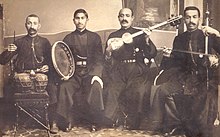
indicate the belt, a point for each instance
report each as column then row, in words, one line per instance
column 81, row 63
column 129, row 61
column 29, row 71
column 194, row 72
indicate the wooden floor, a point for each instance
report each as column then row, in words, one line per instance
column 7, row 118
column 82, row 132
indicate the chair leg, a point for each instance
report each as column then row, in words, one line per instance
column 47, row 119
column 16, row 120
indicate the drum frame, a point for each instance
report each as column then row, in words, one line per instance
column 55, row 63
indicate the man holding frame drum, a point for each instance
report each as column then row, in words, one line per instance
column 80, row 96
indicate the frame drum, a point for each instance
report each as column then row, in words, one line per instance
column 62, row 59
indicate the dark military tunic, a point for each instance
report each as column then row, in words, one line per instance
column 32, row 53
column 185, row 90
column 77, row 92
column 127, row 78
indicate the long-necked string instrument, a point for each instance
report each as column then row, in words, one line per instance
column 127, row 37
column 216, row 122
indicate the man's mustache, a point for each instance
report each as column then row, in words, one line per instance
column 32, row 29
column 79, row 24
column 124, row 21
column 191, row 23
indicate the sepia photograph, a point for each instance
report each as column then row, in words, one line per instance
column 109, row 68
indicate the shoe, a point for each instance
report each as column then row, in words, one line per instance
column 121, row 128
column 68, row 128
column 2, row 133
column 53, row 128
column 93, row 128
column 154, row 129
column 6, row 131
column 175, row 131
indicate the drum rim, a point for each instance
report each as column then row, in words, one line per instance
column 70, row 74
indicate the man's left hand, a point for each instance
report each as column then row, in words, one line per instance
column 98, row 79
column 209, row 31
column 147, row 31
column 214, row 61
column 44, row 68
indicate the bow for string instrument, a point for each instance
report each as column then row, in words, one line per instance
column 116, row 43
column 213, row 58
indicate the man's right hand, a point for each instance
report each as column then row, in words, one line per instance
column 109, row 49
column 12, row 47
column 65, row 78
column 167, row 52
column 114, row 44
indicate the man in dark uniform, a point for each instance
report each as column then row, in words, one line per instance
column 31, row 50
column 32, row 54
column 128, row 61
column 76, row 93
column 187, row 94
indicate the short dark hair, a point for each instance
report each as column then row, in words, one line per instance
column 80, row 11
column 132, row 12
column 191, row 8
column 33, row 15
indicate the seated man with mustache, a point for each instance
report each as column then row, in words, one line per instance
column 128, row 62
column 33, row 56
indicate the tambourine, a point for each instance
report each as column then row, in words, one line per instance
column 62, row 59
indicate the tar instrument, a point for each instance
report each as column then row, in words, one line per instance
column 63, row 60
column 116, row 43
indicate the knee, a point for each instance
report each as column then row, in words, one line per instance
column 162, row 91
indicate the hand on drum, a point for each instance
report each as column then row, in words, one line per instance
column 44, row 69
column 98, row 79
column 12, row 47
column 65, row 78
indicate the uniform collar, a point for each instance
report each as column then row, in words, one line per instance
column 126, row 28
column 194, row 33
column 81, row 32
column 28, row 36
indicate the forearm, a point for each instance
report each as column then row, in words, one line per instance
column 6, row 56
column 153, row 49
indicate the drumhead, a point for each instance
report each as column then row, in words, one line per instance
column 62, row 59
